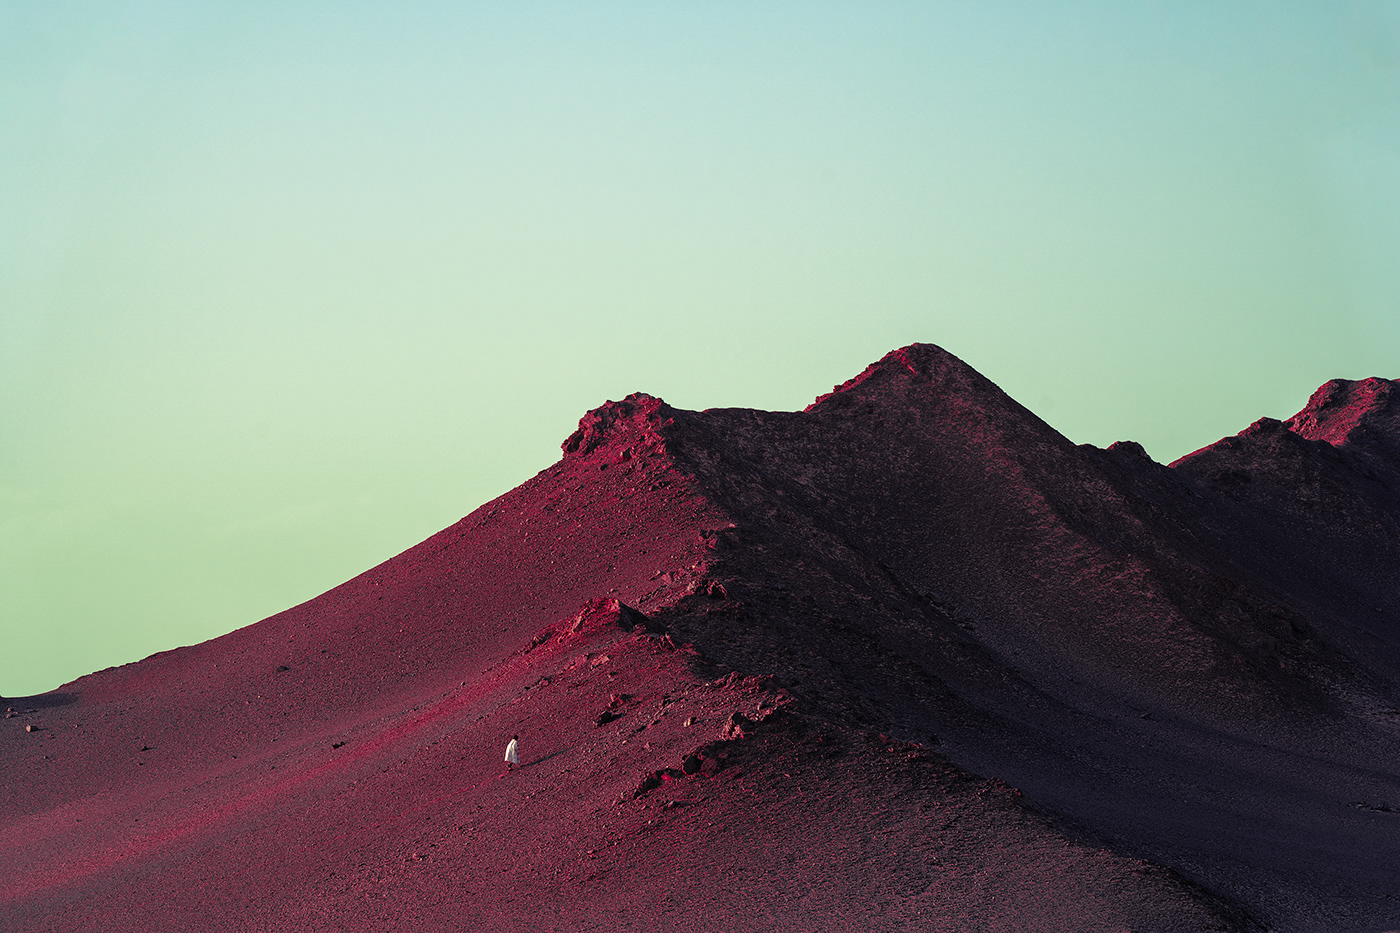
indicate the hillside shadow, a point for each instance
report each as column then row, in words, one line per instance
column 40, row 700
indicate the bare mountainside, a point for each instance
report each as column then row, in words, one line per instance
column 908, row 659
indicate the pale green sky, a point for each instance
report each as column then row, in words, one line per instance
column 285, row 288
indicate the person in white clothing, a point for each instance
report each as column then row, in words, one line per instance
column 512, row 754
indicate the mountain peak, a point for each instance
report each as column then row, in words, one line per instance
column 637, row 417
column 1346, row 411
column 917, row 363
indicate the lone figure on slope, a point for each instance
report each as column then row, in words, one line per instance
column 512, row 753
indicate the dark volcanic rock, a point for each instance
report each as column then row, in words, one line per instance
column 1180, row 686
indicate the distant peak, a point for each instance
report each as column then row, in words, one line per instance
column 638, row 413
column 1344, row 411
column 1131, row 450
column 1265, row 426
column 918, row 362
column 1362, row 413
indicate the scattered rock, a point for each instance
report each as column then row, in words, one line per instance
column 738, row 726
column 598, row 615
column 1375, row 808
column 655, row 779
column 542, row 636
column 282, row 667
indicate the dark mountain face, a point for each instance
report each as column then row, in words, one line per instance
column 755, row 660
column 1310, row 507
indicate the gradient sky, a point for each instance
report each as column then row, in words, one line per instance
column 287, row 287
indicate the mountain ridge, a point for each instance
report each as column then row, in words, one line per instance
column 1158, row 670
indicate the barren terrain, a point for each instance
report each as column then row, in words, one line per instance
column 906, row 660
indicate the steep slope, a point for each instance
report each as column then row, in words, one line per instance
column 915, row 580
column 1070, row 620
column 1312, row 505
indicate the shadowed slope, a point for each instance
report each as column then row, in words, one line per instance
column 1312, row 506
column 972, row 503
column 918, row 551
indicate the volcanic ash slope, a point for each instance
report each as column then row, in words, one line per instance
column 756, row 661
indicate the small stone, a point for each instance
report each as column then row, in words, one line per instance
column 31, row 728
column 738, row 726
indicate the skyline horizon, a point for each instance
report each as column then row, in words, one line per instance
column 282, row 287
column 450, row 522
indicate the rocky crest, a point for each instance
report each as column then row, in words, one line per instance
column 918, row 363
column 637, row 420
column 1364, row 413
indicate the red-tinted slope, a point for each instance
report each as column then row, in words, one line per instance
column 412, row 824
column 915, row 555
column 1364, row 414
column 439, row 614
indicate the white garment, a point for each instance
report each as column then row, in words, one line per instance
column 511, row 756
